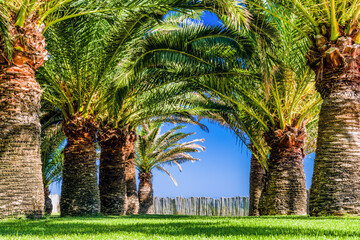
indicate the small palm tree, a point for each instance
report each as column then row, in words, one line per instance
column 52, row 159
column 154, row 150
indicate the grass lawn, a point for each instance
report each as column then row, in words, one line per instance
column 181, row 227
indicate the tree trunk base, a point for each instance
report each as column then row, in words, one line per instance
column 335, row 186
column 285, row 190
column 80, row 191
column 257, row 175
column 132, row 194
column 146, row 198
column 21, row 187
column 112, row 170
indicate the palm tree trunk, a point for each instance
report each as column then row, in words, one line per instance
column 257, row 175
column 132, row 195
column 21, row 188
column 335, row 186
column 112, row 171
column 146, row 193
column 80, row 192
column 48, row 202
column 285, row 188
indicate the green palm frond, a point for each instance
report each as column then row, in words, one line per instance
column 193, row 45
column 52, row 154
column 331, row 18
column 6, row 42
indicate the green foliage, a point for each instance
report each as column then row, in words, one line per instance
column 4, row 31
column 154, row 150
column 183, row 227
column 331, row 18
column 270, row 91
column 52, row 155
column 91, row 69
column 157, row 84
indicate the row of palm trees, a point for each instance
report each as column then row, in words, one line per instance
column 111, row 69
column 23, row 25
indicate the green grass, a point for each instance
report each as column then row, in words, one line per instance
column 182, row 227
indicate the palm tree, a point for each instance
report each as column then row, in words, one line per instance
column 22, row 48
column 172, row 102
column 154, row 150
column 185, row 52
column 331, row 29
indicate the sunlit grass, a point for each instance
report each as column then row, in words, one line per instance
column 181, row 227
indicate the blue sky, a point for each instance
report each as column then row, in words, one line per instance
column 223, row 169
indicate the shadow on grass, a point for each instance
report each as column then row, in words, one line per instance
column 166, row 225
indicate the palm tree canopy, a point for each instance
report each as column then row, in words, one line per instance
column 45, row 13
column 330, row 18
column 157, row 83
column 90, row 54
column 154, row 150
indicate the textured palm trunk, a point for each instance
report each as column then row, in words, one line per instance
column 146, row 198
column 21, row 188
column 80, row 192
column 132, row 194
column 112, row 171
column 257, row 178
column 48, row 202
column 285, row 189
column 335, row 186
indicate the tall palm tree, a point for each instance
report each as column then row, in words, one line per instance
column 22, row 48
column 172, row 102
column 331, row 28
column 153, row 151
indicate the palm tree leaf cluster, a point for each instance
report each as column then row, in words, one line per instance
column 153, row 150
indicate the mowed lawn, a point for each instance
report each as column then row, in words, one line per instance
column 182, row 227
